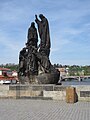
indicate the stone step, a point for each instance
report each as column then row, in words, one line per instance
column 35, row 98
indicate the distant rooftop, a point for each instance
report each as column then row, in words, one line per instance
column 4, row 68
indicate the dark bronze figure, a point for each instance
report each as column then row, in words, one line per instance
column 22, row 62
column 31, row 44
column 43, row 29
column 32, row 37
column 34, row 62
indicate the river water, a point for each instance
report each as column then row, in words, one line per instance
column 75, row 82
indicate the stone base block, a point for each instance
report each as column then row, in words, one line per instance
column 51, row 78
column 42, row 91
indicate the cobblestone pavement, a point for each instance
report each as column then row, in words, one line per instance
column 26, row 109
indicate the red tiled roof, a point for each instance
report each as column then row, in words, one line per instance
column 7, row 77
column 1, row 76
column 4, row 68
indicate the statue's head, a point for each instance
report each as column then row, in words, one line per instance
column 32, row 24
column 41, row 16
column 24, row 49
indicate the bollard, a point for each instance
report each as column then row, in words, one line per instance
column 71, row 96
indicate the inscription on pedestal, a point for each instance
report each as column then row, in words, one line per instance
column 84, row 93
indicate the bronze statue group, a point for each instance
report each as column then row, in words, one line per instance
column 34, row 58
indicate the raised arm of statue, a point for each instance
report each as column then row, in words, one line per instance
column 36, row 16
column 37, row 20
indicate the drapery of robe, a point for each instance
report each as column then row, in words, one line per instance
column 43, row 28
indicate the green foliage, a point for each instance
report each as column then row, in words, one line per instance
column 75, row 70
column 79, row 70
column 10, row 66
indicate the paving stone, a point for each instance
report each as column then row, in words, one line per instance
column 27, row 109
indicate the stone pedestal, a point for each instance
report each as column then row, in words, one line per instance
column 47, row 78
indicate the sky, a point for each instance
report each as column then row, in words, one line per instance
column 69, row 23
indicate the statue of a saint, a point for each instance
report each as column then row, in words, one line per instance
column 32, row 35
column 32, row 49
column 43, row 28
column 22, row 62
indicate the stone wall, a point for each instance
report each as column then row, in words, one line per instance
column 52, row 92
column 83, row 92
